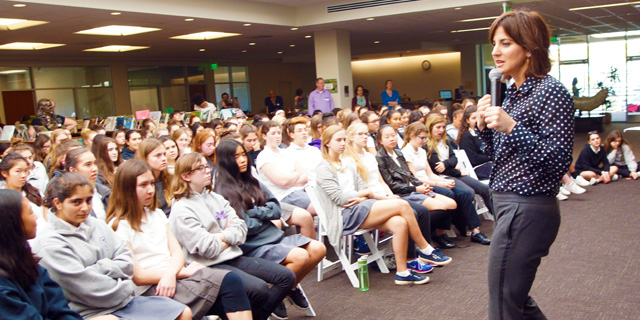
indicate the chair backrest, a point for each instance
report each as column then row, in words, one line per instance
column 314, row 193
column 463, row 160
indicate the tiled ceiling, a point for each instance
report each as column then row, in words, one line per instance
column 416, row 32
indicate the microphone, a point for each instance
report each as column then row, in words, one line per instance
column 496, row 91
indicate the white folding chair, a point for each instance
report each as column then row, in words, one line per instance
column 340, row 249
column 464, row 161
column 309, row 312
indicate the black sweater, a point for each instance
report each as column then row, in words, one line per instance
column 590, row 161
column 472, row 146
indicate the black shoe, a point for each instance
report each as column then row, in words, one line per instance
column 280, row 312
column 444, row 242
column 479, row 237
column 298, row 298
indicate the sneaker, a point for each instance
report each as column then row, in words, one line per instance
column 561, row 196
column 573, row 187
column 614, row 177
column 280, row 312
column 582, row 181
column 360, row 246
column 298, row 298
column 564, row 191
column 418, row 266
column 436, row 257
column 411, row 279
column 593, row 181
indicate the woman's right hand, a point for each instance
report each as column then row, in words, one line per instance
column 189, row 270
column 166, row 286
column 447, row 183
column 440, row 167
column 483, row 104
column 354, row 201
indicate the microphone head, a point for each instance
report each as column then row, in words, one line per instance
column 495, row 74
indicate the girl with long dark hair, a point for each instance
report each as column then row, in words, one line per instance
column 257, row 206
column 14, row 171
column 108, row 158
column 159, row 263
column 26, row 289
column 153, row 152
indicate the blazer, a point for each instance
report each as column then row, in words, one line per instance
column 399, row 178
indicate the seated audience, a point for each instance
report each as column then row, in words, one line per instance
column 159, row 263
column 315, row 130
column 469, row 141
column 26, row 290
column 83, row 161
column 249, row 135
column 14, row 170
column 592, row 164
column 90, row 262
column 42, row 146
column 273, row 102
column 619, row 154
column 372, row 121
column 38, row 174
column 211, row 232
column 181, row 137
column 172, row 152
column 152, row 152
column 87, row 137
column 133, row 141
column 108, row 159
column 120, row 136
column 453, row 129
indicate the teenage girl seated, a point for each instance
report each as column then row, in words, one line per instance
column 592, row 165
column 350, row 206
column 258, row 207
column 90, row 262
column 159, row 263
column 619, row 153
column 469, row 142
column 211, row 232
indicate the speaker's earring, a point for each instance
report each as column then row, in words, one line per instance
column 528, row 55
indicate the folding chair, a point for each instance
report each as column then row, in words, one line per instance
column 464, row 161
column 309, row 312
column 340, row 249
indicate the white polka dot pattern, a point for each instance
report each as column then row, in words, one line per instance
column 536, row 154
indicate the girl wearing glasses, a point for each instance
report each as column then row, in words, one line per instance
column 210, row 231
column 159, row 263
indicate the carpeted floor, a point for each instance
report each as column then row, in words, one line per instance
column 592, row 271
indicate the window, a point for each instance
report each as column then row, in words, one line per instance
column 157, row 88
column 235, row 82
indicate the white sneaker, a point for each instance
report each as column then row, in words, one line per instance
column 582, row 181
column 564, row 191
column 561, row 197
column 593, row 181
column 574, row 188
column 614, row 177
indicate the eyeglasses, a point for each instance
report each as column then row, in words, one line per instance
column 202, row 168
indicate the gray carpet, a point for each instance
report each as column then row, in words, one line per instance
column 592, row 271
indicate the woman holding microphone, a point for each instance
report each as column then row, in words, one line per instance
column 530, row 139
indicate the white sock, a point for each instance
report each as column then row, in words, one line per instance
column 404, row 273
column 428, row 250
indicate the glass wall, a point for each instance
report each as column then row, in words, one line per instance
column 157, row 88
column 235, row 82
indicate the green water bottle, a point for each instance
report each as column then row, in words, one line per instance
column 363, row 273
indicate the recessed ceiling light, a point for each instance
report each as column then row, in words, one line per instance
column 115, row 30
column 201, row 50
column 618, row 34
column 19, row 5
column 478, row 19
column 116, row 48
column 376, row 42
column 606, row 6
column 206, row 35
column 189, row 19
column 116, row 13
column 370, row 19
column 15, row 24
column 469, row 30
column 307, row 37
column 13, row 71
column 457, row 8
column 29, row 46
column 252, row 43
column 292, row 45
column 244, row 51
column 247, row 24
column 294, row 29
column 279, row 52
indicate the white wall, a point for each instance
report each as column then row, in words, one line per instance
column 408, row 76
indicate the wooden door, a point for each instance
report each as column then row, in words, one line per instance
column 18, row 104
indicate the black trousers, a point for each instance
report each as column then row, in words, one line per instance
column 525, row 229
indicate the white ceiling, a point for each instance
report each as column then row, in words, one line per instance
column 418, row 32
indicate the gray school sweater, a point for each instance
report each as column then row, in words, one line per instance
column 196, row 219
column 91, row 263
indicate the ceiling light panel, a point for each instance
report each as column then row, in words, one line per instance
column 29, row 46
column 206, row 35
column 115, row 30
column 606, row 6
column 116, row 48
column 15, row 24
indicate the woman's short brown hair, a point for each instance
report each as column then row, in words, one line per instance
column 529, row 30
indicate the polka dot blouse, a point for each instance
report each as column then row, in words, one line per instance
column 536, row 154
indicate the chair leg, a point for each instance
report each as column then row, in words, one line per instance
column 376, row 255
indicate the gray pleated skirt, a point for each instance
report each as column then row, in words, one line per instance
column 150, row 308
column 418, row 197
column 353, row 216
column 276, row 252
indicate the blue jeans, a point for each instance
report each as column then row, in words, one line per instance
column 465, row 216
column 255, row 274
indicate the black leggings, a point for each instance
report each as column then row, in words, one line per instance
column 231, row 297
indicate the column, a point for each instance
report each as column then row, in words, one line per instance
column 333, row 61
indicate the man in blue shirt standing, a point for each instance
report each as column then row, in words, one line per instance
column 320, row 99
